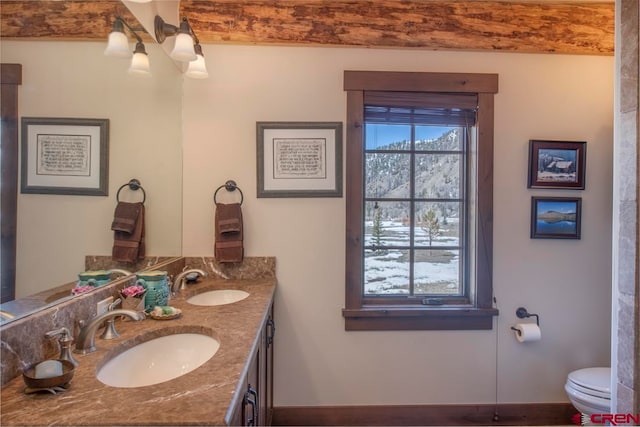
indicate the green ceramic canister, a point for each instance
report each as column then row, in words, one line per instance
column 94, row 278
column 157, row 286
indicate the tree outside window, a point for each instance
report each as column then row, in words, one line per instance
column 418, row 247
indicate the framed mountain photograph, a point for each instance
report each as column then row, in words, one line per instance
column 557, row 164
column 555, row 217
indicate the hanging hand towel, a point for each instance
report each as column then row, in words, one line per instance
column 129, row 247
column 125, row 217
column 228, row 233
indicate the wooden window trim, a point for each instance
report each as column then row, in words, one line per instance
column 359, row 316
column 11, row 78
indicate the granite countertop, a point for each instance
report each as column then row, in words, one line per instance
column 200, row 397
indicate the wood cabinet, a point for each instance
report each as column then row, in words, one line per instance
column 269, row 333
column 255, row 407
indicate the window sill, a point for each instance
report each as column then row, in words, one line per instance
column 407, row 319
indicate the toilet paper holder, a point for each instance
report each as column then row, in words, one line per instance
column 522, row 313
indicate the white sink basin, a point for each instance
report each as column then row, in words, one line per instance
column 219, row 297
column 158, row 360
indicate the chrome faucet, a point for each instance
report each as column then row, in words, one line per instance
column 181, row 279
column 85, row 343
column 121, row 271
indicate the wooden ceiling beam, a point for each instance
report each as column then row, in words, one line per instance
column 579, row 27
column 61, row 20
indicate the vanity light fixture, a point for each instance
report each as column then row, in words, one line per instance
column 140, row 61
column 118, row 46
column 197, row 69
column 183, row 50
column 187, row 46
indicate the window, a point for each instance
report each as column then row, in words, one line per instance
column 419, row 200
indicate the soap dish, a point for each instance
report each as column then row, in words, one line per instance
column 177, row 313
column 51, row 383
column 52, row 390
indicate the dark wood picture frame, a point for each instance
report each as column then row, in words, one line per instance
column 557, row 164
column 556, row 217
column 67, row 156
column 299, row 159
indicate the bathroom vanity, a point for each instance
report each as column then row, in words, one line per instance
column 234, row 387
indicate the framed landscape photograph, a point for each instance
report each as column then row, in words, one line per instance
column 557, row 164
column 65, row 156
column 555, row 217
column 299, row 159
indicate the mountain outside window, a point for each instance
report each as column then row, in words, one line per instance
column 417, row 210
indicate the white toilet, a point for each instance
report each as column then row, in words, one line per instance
column 589, row 390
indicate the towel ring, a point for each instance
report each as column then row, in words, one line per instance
column 229, row 186
column 133, row 185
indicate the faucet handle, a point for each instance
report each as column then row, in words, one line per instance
column 57, row 332
column 110, row 332
column 65, row 343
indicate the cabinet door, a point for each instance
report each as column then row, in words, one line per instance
column 251, row 407
column 266, row 392
column 246, row 412
column 256, row 406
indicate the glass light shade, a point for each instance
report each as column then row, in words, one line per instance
column 183, row 49
column 118, row 45
column 140, row 64
column 197, row 69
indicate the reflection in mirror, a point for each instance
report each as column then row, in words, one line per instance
column 21, row 307
column 56, row 232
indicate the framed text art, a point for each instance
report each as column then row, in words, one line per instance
column 555, row 217
column 557, row 164
column 299, row 159
column 65, row 156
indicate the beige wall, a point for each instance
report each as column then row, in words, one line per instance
column 317, row 362
column 566, row 282
column 76, row 80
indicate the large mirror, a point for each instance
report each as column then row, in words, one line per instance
column 75, row 80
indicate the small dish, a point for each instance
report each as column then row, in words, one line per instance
column 177, row 313
column 43, row 383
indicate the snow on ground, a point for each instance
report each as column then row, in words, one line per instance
column 387, row 270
